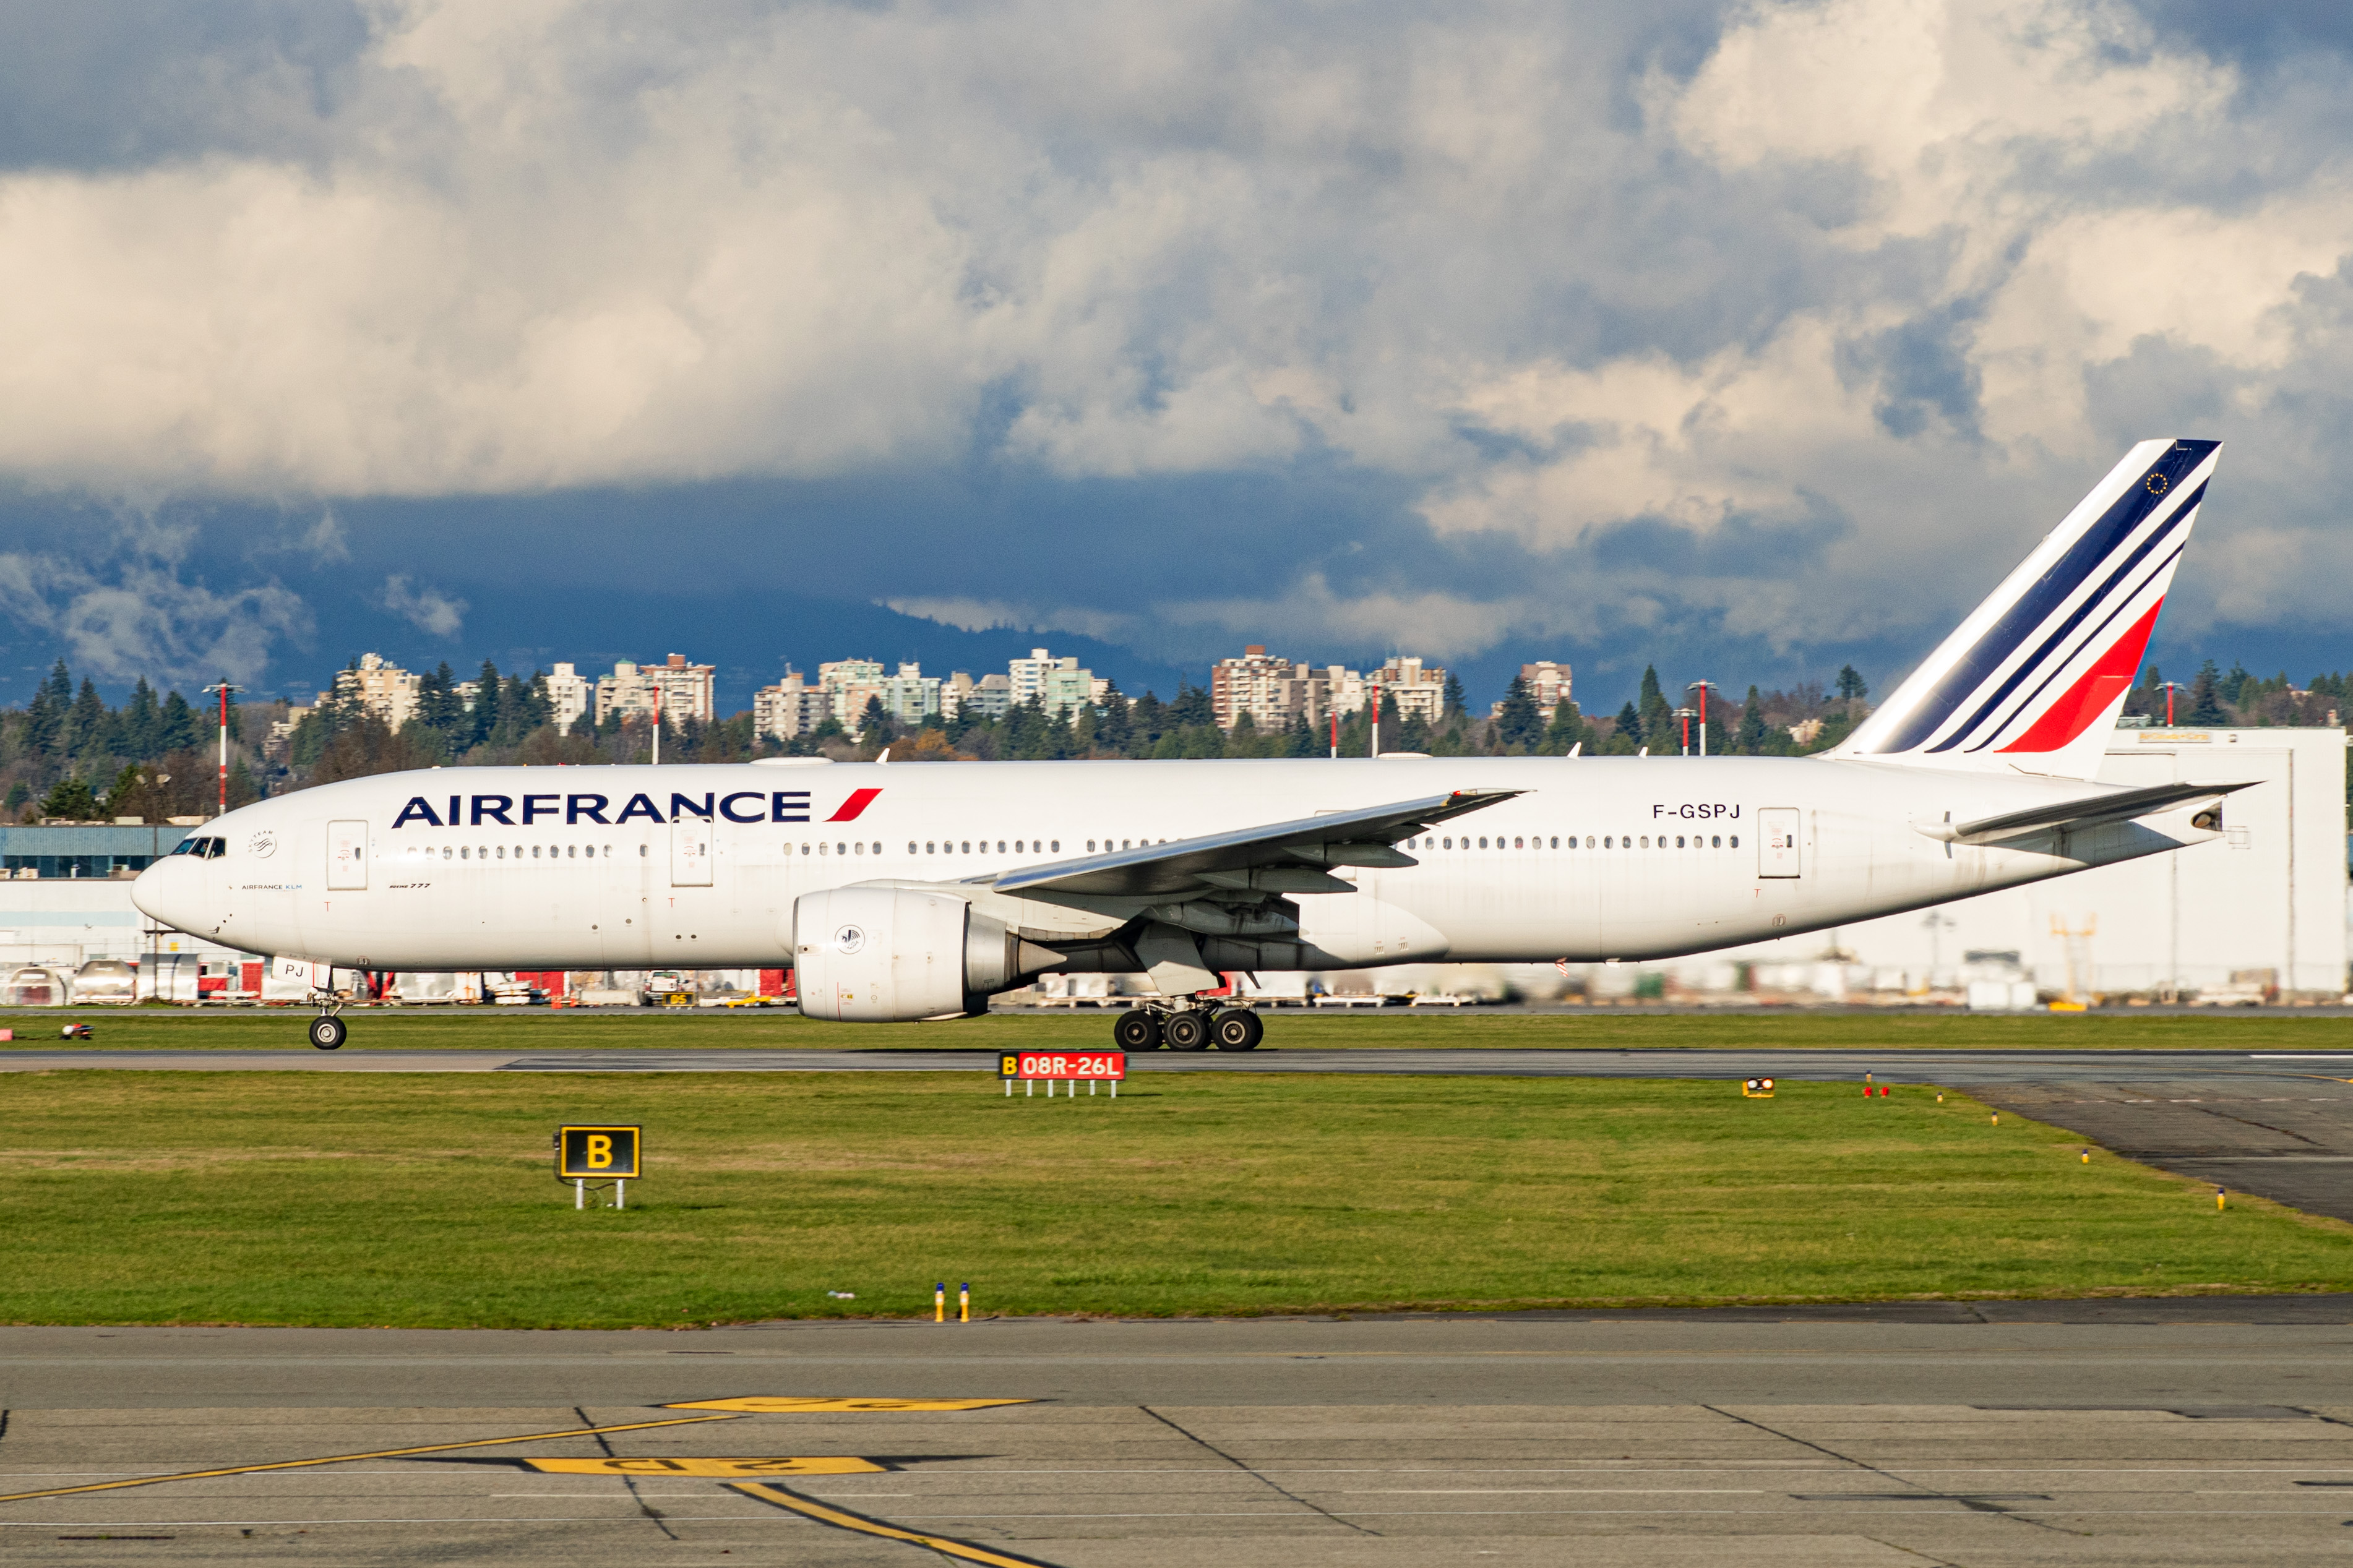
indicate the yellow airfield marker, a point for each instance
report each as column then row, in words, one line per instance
column 843, row 1518
column 822, row 1464
column 789, row 1405
column 348, row 1459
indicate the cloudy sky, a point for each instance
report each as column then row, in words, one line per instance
column 1748, row 339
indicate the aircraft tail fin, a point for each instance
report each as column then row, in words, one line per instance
column 2031, row 681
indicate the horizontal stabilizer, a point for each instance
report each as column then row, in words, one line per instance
column 1183, row 866
column 2122, row 805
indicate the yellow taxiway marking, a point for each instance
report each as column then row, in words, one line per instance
column 788, row 1405
column 821, row 1465
column 346, row 1458
column 843, row 1518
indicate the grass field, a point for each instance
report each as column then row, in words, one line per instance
column 429, row 1200
column 495, row 1029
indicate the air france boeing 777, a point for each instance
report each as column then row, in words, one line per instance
column 906, row 892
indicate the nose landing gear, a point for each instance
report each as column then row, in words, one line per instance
column 1189, row 1029
column 327, row 1030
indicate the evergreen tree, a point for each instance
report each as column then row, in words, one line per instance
column 176, row 727
column 1454, row 701
column 1191, row 708
column 1413, row 735
column 85, row 722
column 1567, row 732
column 485, row 716
column 142, row 722
column 438, row 707
column 1115, row 727
column 1751, row 737
column 1626, row 737
column 1519, row 725
column 2206, row 698
column 71, row 800
column 1851, row 688
column 45, row 719
column 1657, row 722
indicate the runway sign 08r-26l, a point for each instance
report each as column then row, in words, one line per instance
column 1072, row 1067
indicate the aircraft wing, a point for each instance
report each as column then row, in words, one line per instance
column 2120, row 806
column 1279, row 857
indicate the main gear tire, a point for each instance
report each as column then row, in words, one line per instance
column 1237, row 1029
column 1186, row 1031
column 1138, row 1029
column 327, row 1032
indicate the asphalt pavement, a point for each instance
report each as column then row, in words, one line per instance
column 2204, row 1433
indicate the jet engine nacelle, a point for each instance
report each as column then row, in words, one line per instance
column 883, row 955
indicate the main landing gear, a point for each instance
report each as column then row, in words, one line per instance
column 1189, row 1029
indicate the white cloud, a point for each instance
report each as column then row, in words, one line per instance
column 142, row 619
column 426, row 608
column 1869, row 262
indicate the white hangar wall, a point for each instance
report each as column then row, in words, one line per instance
column 2270, row 896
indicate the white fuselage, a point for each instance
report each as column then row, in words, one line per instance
column 1599, row 858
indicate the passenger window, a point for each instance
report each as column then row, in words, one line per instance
column 910, row 847
column 1518, row 845
column 1091, row 845
column 1608, row 842
column 1736, row 841
column 1058, row 846
column 929, row 847
column 968, row 846
column 1679, row 840
column 1718, row 843
column 502, row 851
column 859, row 848
column 820, row 849
column 1556, row 842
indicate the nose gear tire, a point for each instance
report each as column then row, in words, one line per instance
column 327, row 1033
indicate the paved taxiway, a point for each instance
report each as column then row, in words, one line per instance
column 2084, row 1431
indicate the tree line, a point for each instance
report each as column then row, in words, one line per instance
column 67, row 755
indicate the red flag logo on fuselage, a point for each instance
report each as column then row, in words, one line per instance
column 859, row 799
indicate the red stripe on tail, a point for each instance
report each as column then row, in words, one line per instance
column 2089, row 697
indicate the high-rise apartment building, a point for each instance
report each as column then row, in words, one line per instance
column 789, row 709
column 570, row 695
column 385, row 689
column 682, row 690
column 1273, row 691
column 1277, row 692
column 1059, row 685
column 1547, row 682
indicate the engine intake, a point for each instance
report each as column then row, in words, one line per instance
column 884, row 956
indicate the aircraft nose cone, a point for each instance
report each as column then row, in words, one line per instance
column 170, row 892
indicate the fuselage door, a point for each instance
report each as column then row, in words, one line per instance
column 1778, row 853
column 690, row 854
column 347, row 847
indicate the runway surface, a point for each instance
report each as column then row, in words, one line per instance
column 1894, row 1064
column 2205, row 1433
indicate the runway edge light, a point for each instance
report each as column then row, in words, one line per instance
column 1757, row 1088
